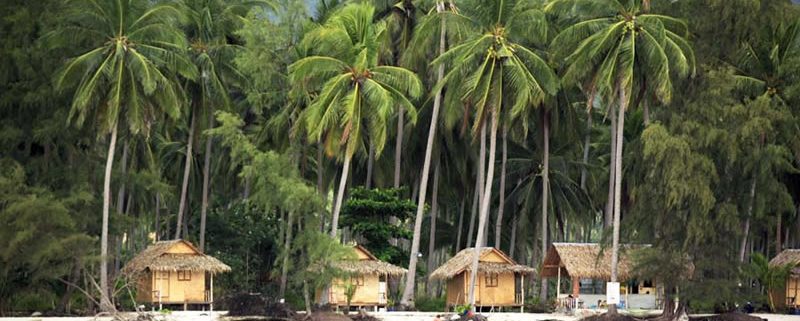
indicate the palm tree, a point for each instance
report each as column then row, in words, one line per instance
column 400, row 17
column 123, row 75
column 771, row 278
column 354, row 91
column 211, row 24
column 495, row 71
column 614, row 48
column 766, row 68
column 432, row 19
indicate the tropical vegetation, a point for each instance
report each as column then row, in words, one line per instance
column 273, row 134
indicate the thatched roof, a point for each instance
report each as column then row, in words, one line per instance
column 584, row 260
column 368, row 265
column 157, row 257
column 790, row 256
column 463, row 262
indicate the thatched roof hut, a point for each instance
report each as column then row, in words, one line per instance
column 162, row 256
column 369, row 276
column 367, row 263
column 463, row 262
column 495, row 283
column 789, row 256
column 587, row 261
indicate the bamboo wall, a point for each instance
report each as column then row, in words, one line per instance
column 173, row 291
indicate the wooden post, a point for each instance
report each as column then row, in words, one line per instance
column 558, row 284
column 160, row 306
column 522, row 286
column 576, row 287
column 211, row 294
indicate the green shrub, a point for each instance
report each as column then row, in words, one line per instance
column 33, row 301
column 536, row 305
column 430, row 304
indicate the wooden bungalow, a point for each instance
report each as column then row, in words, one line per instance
column 174, row 273
column 498, row 282
column 584, row 263
column 368, row 274
column 790, row 295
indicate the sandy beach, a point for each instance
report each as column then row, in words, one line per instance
column 386, row 316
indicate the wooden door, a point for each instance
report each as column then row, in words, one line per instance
column 162, row 285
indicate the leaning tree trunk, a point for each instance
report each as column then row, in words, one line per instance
column 158, row 217
column 370, row 163
column 545, row 188
column 434, row 214
column 609, row 214
column 340, row 195
column 124, row 170
column 512, row 242
column 586, row 146
column 743, row 247
column 460, row 223
column 617, row 189
column 498, row 225
column 477, row 202
column 484, row 213
column 408, row 291
column 187, row 167
column 105, row 301
column 473, row 213
column 206, row 183
column 287, row 242
column 398, row 148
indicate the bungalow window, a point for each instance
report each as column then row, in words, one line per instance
column 491, row 280
column 184, row 275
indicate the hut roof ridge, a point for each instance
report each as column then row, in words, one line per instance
column 584, row 260
column 157, row 258
column 463, row 259
column 787, row 256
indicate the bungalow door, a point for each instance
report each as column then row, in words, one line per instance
column 382, row 289
column 161, row 288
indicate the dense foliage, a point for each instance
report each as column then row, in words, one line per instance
column 250, row 127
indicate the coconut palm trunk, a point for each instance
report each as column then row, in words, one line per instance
column 484, row 213
column 370, row 164
column 123, row 170
column 477, row 202
column 434, row 214
column 105, row 302
column 398, row 147
column 187, row 168
column 498, row 225
column 586, row 146
column 623, row 102
column 609, row 214
column 473, row 212
column 743, row 247
column 460, row 223
column 287, row 242
column 157, row 226
column 408, row 291
column 206, row 183
column 545, row 190
column 340, row 195
column 513, row 241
